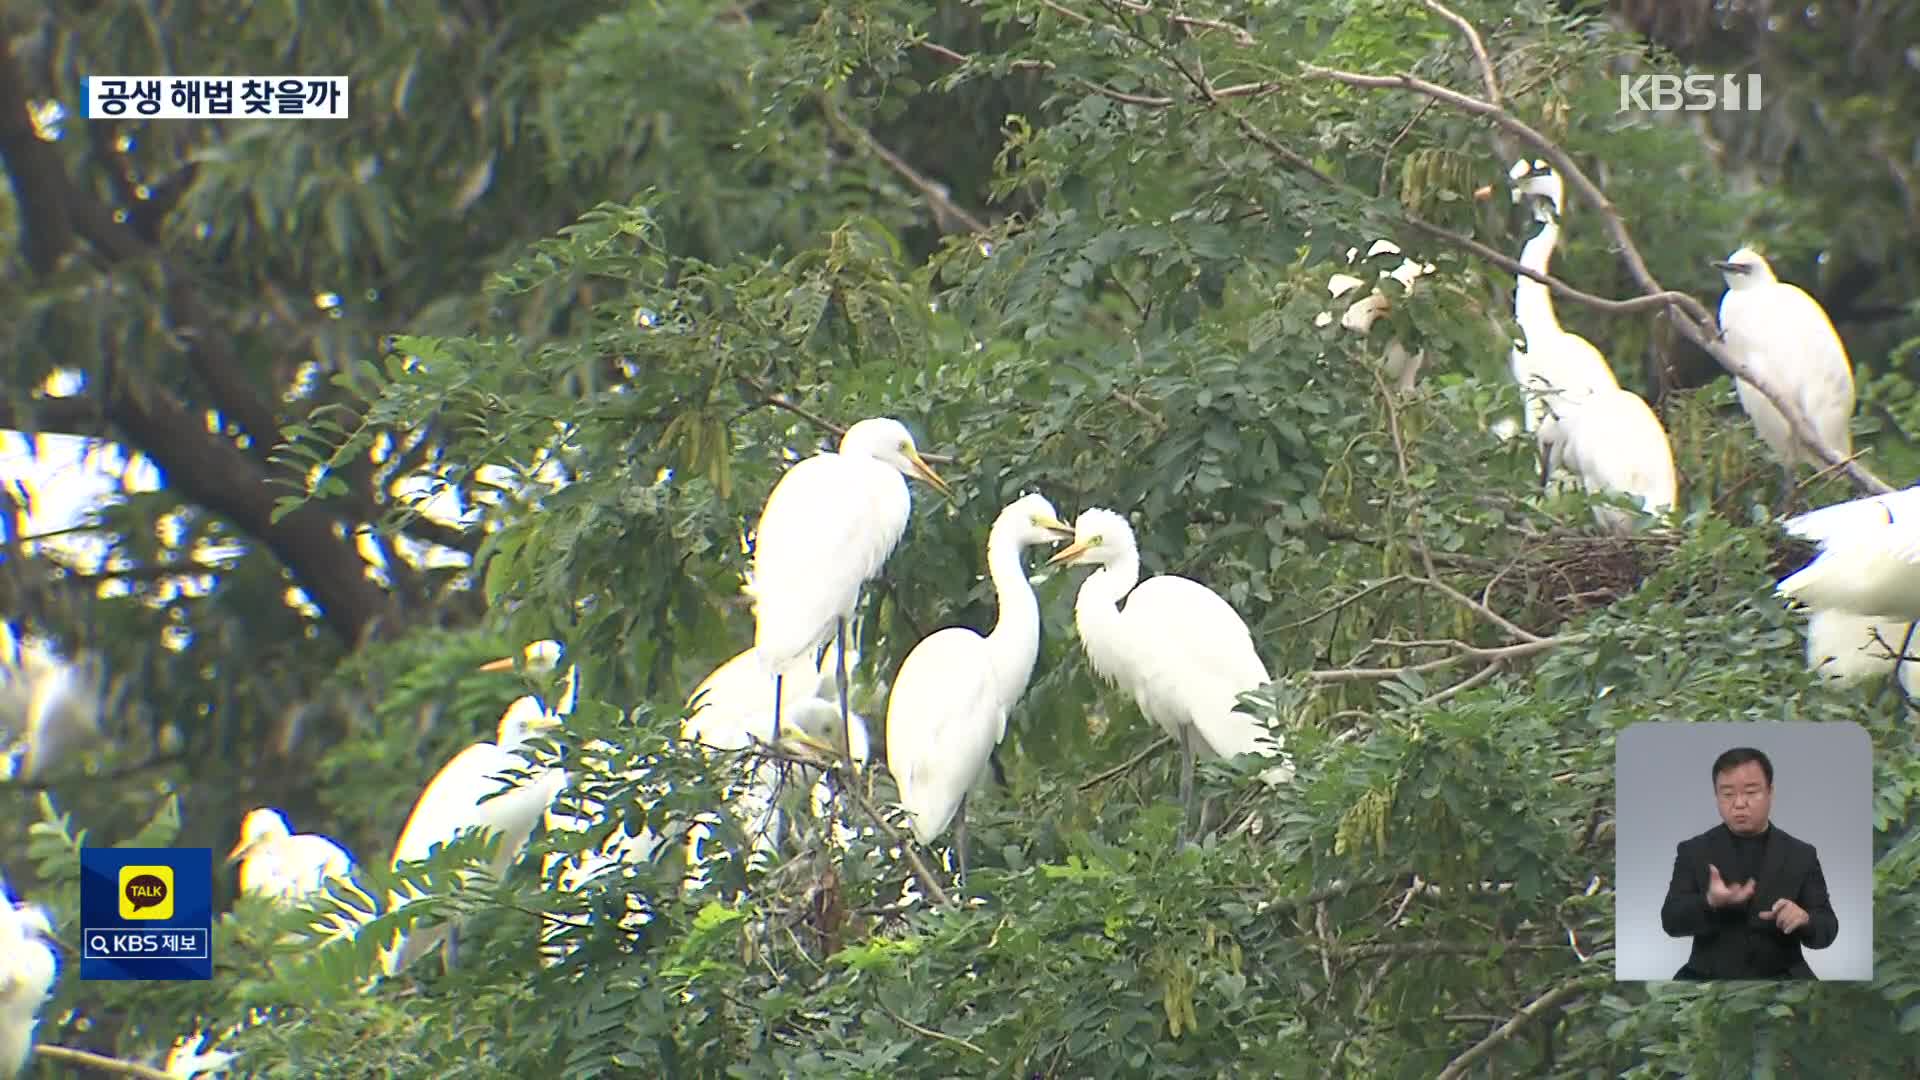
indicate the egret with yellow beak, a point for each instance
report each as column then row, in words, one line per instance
column 949, row 705
column 1182, row 652
column 827, row 529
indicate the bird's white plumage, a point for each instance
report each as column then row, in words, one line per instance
column 1784, row 335
column 1848, row 648
column 28, row 967
column 1866, row 514
column 1555, row 366
column 48, row 709
column 1614, row 443
column 451, row 805
column 284, row 866
column 943, row 717
column 950, row 701
column 1869, row 559
column 828, row 527
column 1182, row 652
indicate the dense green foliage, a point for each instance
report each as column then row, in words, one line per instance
column 1079, row 247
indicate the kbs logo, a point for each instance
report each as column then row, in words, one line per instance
column 146, row 892
column 1689, row 93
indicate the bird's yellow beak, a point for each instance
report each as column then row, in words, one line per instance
column 925, row 472
column 505, row 663
column 805, row 740
column 1060, row 529
column 1066, row 555
column 240, row 850
column 1482, row 194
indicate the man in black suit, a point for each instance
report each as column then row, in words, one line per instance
column 1749, row 895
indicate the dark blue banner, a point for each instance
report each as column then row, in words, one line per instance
column 146, row 913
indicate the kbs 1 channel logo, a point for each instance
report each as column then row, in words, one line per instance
column 214, row 97
column 146, row 913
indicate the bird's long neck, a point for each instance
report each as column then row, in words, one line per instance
column 1015, row 640
column 1096, row 614
column 1532, row 301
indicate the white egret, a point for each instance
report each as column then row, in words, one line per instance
column 1785, row 337
column 949, row 704
column 1615, row 444
column 1869, row 559
column 277, row 863
column 829, row 525
column 451, row 805
column 1554, row 364
column 1182, row 652
column 730, row 711
column 28, row 967
column 573, row 808
column 50, row 708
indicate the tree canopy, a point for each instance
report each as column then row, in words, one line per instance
column 518, row 350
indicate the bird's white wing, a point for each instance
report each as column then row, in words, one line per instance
column 1825, row 377
column 1619, row 445
column 1197, row 656
column 1874, row 573
column 828, row 526
column 1847, row 647
column 734, row 706
column 1856, row 515
column 941, row 721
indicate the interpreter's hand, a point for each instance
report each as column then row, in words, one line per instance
column 1786, row 915
column 1720, row 894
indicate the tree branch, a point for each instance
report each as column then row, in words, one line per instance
column 1458, row 1066
column 1158, row 745
column 100, row 1062
column 935, row 194
column 1462, row 651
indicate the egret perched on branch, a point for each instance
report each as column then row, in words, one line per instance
column 1614, row 443
column 1869, row 560
column 28, row 965
column 949, row 704
column 284, row 866
column 1178, row 648
column 1785, row 337
column 1554, row 364
column 451, row 804
column 827, row 528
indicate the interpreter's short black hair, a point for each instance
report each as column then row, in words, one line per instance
column 1738, row 756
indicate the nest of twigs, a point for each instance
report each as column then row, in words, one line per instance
column 1566, row 573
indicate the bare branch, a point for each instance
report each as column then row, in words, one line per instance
column 1462, row 651
column 936, row 195
column 1158, row 745
column 100, row 1062
column 1479, row 47
column 932, row 1034
column 1458, row 1066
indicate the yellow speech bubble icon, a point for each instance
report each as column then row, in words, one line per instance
column 146, row 892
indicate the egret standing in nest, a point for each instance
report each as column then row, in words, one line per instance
column 949, row 705
column 1785, row 337
column 1554, row 363
column 1615, row 444
column 1863, row 587
column 451, row 805
column 1182, row 652
column 729, row 712
column 828, row 527
column 28, row 967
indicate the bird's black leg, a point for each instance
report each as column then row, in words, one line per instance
column 1785, row 501
column 1186, row 783
column 777, row 679
column 960, row 839
column 840, row 676
column 447, row 948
